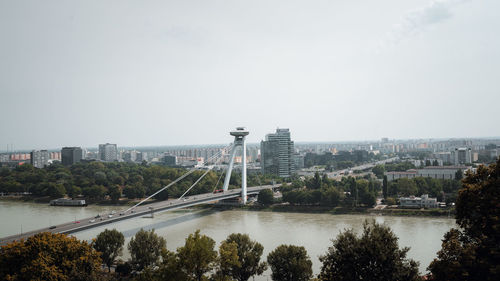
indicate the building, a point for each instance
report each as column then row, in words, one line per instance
column 141, row 156
column 298, row 161
column 108, row 152
column 435, row 172
column 71, row 155
column 129, row 156
column 39, row 158
column 169, row 160
column 445, row 157
column 441, row 172
column 418, row 202
column 277, row 154
column 398, row 175
column 462, row 156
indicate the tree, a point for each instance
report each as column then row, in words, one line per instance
column 455, row 259
column 378, row 170
column 373, row 256
column 249, row 253
column 110, row 244
column 290, row 263
column 115, row 192
column 146, row 248
column 197, row 256
column 459, row 175
column 49, row 256
column 73, row 191
column 228, row 258
column 56, row 190
column 384, row 187
column 406, row 187
column 265, row 197
column 474, row 252
column 330, row 197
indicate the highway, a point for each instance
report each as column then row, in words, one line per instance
column 360, row 167
column 337, row 174
column 147, row 209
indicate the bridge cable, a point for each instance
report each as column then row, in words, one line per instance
column 196, row 182
column 220, row 177
column 180, row 178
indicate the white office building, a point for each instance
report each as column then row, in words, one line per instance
column 418, row 202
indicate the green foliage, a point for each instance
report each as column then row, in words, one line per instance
column 115, row 192
column 146, row 248
column 290, row 263
column 405, row 187
column 385, row 187
column 378, row 170
column 197, row 256
column 420, row 185
column 390, row 201
column 455, row 260
column 48, row 256
column 228, row 259
column 110, row 244
column 373, row 256
column 249, row 254
column 473, row 253
column 266, row 197
column 399, row 167
column 97, row 180
column 331, row 193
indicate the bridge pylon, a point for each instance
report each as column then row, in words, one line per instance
column 239, row 141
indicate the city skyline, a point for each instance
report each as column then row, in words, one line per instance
column 150, row 74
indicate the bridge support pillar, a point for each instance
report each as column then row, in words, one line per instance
column 239, row 141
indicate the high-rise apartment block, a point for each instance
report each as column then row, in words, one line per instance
column 462, row 155
column 71, row 155
column 39, row 158
column 276, row 154
column 108, row 152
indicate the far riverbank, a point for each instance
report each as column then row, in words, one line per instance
column 271, row 208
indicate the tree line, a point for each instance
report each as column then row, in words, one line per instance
column 59, row 257
column 99, row 180
column 445, row 190
column 320, row 190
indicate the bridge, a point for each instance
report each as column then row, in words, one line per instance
column 141, row 209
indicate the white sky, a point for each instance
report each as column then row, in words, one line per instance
column 186, row 72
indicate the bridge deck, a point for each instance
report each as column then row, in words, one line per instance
column 162, row 206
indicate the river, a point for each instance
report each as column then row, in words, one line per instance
column 313, row 231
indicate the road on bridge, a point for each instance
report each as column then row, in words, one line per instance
column 103, row 219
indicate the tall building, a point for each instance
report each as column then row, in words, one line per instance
column 462, row 155
column 71, row 155
column 276, row 154
column 39, row 158
column 108, row 152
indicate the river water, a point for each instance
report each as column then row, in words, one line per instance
column 271, row 229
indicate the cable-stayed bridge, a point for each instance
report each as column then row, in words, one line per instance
column 141, row 209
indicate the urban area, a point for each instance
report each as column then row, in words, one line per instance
column 384, row 177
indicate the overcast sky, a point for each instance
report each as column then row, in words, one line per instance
column 137, row 73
